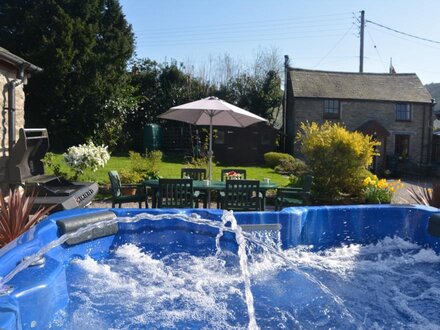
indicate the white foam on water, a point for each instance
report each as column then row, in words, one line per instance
column 390, row 284
column 383, row 256
column 135, row 289
column 393, row 278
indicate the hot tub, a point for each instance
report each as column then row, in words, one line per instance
column 313, row 267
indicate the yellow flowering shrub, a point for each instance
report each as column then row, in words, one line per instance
column 337, row 158
column 379, row 190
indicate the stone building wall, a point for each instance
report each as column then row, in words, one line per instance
column 354, row 113
column 7, row 75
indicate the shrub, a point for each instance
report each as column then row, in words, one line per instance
column 129, row 176
column 294, row 181
column 274, row 159
column 141, row 168
column 337, row 158
column 198, row 162
column 291, row 167
column 86, row 156
column 49, row 162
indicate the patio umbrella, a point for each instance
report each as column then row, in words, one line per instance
column 211, row 111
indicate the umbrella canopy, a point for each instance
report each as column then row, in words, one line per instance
column 211, row 111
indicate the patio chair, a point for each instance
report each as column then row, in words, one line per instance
column 242, row 195
column 289, row 196
column 175, row 193
column 193, row 173
column 223, row 172
column 200, row 175
column 118, row 196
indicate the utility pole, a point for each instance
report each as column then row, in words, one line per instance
column 361, row 54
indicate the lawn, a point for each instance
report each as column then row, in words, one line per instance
column 170, row 168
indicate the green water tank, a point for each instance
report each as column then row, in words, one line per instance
column 151, row 137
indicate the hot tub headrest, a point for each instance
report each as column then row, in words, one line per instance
column 72, row 224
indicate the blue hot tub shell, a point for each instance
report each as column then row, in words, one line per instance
column 40, row 291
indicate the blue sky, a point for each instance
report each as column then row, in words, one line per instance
column 316, row 34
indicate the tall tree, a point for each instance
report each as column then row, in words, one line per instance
column 83, row 47
column 161, row 86
column 261, row 95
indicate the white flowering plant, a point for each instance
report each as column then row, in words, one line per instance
column 86, row 156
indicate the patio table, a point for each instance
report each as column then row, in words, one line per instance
column 208, row 187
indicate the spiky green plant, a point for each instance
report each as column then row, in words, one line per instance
column 15, row 215
column 425, row 196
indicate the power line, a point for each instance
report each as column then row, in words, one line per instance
column 404, row 33
column 233, row 25
column 424, row 44
column 333, row 48
column 213, row 30
column 229, row 40
column 236, row 34
column 377, row 51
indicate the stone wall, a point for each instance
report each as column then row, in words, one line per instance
column 7, row 75
column 354, row 113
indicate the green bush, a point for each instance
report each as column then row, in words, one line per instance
column 337, row 158
column 274, row 159
column 292, row 166
column 294, row 181
column 128, row 176
column 141, row 168
column 198, row 162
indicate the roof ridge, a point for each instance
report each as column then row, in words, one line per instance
column 355, row 73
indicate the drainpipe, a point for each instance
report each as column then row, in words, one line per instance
column 11, row 106
column 286, row 73
column 429, row 152
column 423, row 134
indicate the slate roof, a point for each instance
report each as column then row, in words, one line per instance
column 403, row 87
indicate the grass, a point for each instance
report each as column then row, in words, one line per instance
column 170, row 168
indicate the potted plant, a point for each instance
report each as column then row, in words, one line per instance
column 128, row 176
column 140, row 169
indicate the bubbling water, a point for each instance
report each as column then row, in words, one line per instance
column 390, row 284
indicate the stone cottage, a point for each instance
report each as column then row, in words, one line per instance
column 14, row 73
column 394, row 108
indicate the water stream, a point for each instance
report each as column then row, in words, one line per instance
column 229, row 217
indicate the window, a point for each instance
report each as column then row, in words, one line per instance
column 220, row 137
column 401, row 146
column 265, row 138
column 403, row 112
column 331, row 109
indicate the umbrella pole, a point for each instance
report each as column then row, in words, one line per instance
column 210, row 159
column 210, row 149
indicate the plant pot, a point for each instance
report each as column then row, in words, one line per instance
column 128, row 191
